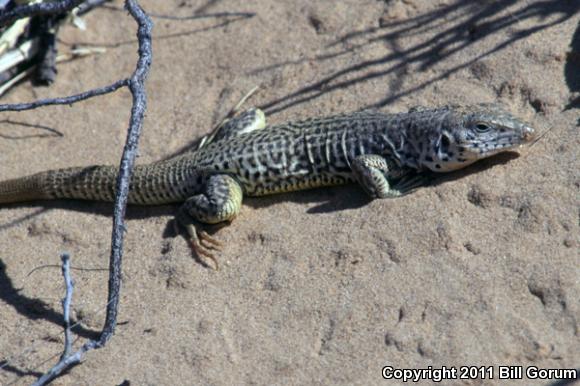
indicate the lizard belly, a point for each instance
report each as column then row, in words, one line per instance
column 293, row 182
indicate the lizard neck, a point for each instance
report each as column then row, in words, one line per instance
column 415, row 137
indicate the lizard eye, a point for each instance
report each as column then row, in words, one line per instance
column 481, row 127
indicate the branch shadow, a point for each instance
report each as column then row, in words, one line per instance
column 49, row 131
column 32, row 308
column 200, row 10
column 156, row 37
column 465, row 24
column 230, row 17
column 572, row 70
column 566, row 382
column 196, row 16
column 6, row 366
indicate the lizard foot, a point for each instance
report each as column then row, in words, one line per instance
column 218, row 204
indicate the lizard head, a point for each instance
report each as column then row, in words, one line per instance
column 470, row 133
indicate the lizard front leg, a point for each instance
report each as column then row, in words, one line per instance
column 375, row 174
column 220, row 201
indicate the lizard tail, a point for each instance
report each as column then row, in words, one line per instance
column 22, row 189
column 156, row 184
column 85, row 183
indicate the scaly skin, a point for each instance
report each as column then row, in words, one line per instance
column 245, row 158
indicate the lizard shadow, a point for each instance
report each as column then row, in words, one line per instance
column 480, row 166
column 329, row 199
column 104, row 209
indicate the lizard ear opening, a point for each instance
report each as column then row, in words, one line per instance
column 444, row 146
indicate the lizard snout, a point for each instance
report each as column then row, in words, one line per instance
column 528, row 133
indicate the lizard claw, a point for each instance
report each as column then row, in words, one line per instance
column 410, row 183
column 211, row 242
column 203, row 251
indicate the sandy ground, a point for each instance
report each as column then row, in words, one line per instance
column 317, row 287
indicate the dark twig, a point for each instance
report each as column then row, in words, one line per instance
column 44, row 8
column 65, row 100
column 136, row 84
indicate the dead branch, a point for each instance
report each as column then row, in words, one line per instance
column 44, row 8
column 136, row 85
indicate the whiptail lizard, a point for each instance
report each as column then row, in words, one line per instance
column 382, row 152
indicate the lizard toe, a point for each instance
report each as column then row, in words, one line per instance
column 204, row 255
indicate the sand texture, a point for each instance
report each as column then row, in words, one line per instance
column 317, row 287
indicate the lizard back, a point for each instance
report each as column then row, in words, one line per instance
column 306, row 154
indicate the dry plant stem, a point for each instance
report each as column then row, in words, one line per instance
column 7, row 75
column 12, row 34
column 15, row 79
column 44, row 27
column 136, row 84
column 24, row 52
column 66, row 302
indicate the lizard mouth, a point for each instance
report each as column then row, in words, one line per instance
column 504, row 142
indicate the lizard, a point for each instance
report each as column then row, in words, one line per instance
column 385, row 153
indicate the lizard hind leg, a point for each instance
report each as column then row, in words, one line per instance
column 245, row 122
column 237, row 122
column 220, row 201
